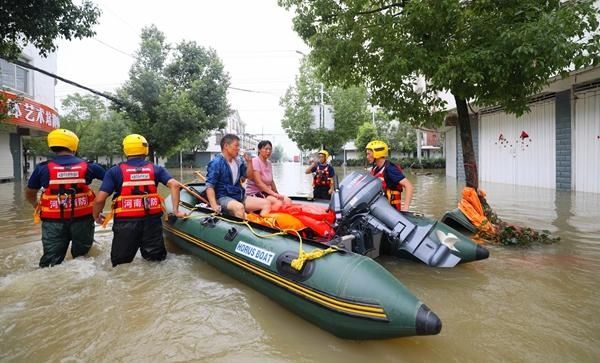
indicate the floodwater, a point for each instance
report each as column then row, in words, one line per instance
column 539, row 304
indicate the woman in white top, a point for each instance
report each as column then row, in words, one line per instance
column 263, row 185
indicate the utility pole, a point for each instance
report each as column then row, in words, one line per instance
column 322, row 113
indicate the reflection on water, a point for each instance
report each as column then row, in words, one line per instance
column 537, row 304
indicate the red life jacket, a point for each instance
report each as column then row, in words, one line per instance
column 67, row 195
column 322, row 176
column 393, row 193
column 139, row 196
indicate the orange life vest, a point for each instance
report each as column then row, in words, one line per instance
column 139, row 196
column 67, row 196
column 322, row 176
column 393, row 193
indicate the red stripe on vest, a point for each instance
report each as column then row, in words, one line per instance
column 322, row 176
column 67, row 195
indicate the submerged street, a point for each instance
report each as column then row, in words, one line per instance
column 535, row 304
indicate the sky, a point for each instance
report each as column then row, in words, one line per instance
column 253, row 38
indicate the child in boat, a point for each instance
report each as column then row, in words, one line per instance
column 263, row 185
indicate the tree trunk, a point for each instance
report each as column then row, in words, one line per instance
column 466, row 139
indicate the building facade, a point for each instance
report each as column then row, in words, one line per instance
column 555, row 145
column 27, row 100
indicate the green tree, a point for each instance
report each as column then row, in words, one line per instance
column 400, row 136
column 487, row 52
column 41, row 22
column 350, row 111
column 367, row 132
column 277, row 154
column 181, row 93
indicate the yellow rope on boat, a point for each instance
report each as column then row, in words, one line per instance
column 298, row 263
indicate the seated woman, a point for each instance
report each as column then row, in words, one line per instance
column 262, row 185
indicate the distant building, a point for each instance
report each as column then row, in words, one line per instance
column 429, row 143
column 555, row 145
column 29, row 98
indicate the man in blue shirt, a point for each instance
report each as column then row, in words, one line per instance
column 137, row 206
column 224, row 178
column 65, row 206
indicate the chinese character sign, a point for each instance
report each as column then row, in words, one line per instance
column 25, row 112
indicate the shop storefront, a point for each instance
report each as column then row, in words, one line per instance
column 26, row 110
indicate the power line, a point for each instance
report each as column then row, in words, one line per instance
column 109, row 97
column 115, row 49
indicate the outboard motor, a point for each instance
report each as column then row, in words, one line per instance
column 359, row 205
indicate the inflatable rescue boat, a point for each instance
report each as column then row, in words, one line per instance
column 345, row 293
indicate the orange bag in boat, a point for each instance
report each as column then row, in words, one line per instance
column 313, row 211
column 320, row 227
column 471, row 207
column 282, row 221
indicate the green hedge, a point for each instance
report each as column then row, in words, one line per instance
column 433, row 163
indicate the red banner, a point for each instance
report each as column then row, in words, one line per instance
column 25, row 112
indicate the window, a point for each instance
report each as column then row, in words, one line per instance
column 15, row 77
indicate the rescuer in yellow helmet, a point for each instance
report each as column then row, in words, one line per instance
column 137, row 206
column 392, row 178
column 323, row 176
column 65, row 205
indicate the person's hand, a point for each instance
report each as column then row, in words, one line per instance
column 216, row 208
column 100, row 218
column 247, row 157
column 330, row 191
column 279, row 196
column 180, row 214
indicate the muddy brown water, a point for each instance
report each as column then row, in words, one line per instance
column 539, row 304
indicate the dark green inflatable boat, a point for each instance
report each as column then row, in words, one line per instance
column 347, row 294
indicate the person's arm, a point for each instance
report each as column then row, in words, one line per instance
column 175, row 190
column 212, row 199
column 97, row 171
column 408, row 187
column 249, row 168
column 331, row 181
column 212, row 178
column 311, row 168
column 99, row 203
column 31, row 196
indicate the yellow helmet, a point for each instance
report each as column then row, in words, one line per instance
column 63, row 138
column 135, row 144
column 325, row 153
column 380, row 148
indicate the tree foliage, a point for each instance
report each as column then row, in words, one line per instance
column 491, row 52
column 181, row 92
column 41, row 22
column 400, row 136
column 350, row 111
column 367, row 132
